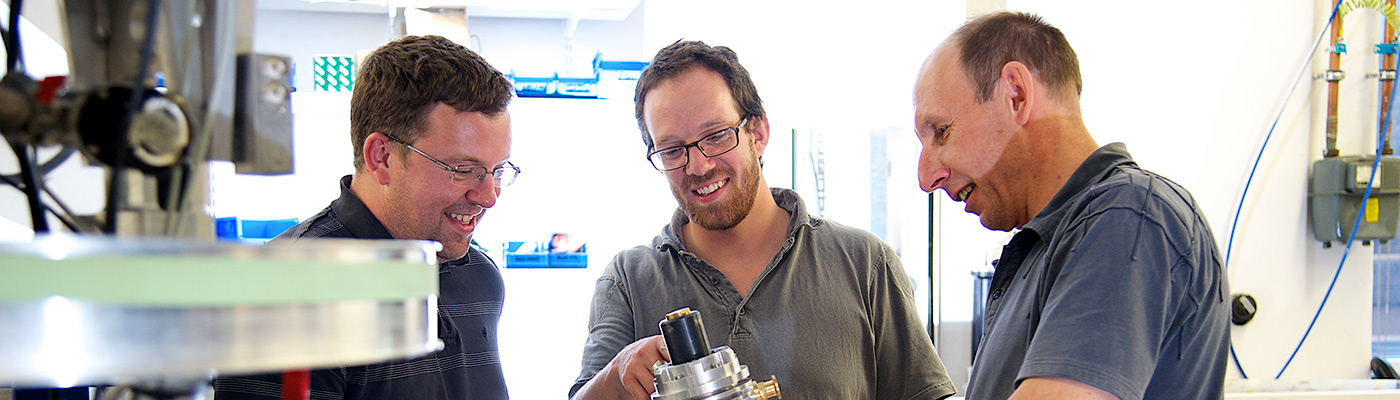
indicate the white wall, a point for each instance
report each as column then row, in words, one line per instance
column 303, row 35
column 536, row 47
column 583, row 173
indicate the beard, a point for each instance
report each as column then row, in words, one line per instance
column 726, row 213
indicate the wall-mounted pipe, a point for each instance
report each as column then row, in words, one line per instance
column 1386, row 76
column 1334, row 77
column 1386, row 72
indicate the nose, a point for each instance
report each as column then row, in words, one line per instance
column 932, row 173
column 484, row 194
column 698, row 163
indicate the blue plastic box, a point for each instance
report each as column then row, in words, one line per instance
column 568, row 260
column 527, row 260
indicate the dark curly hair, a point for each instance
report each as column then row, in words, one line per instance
column 680, row 56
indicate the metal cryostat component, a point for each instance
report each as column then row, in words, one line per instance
column 698, row 372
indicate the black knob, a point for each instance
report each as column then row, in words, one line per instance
column 1242, row 309
column 685, row 336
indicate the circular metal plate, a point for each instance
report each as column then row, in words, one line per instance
column 94, row 310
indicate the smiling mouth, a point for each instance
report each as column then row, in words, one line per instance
column 465, row 218
column 961, row 195
column 705, row 191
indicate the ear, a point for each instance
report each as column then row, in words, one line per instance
column 1020, row 87
column 378, row 156
column 759, row 128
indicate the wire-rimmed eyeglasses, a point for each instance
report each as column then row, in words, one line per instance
column 712, row 145
column 469, row 175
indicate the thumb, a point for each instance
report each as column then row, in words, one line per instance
column 661, row 346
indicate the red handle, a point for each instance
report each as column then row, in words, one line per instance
column 296, row 385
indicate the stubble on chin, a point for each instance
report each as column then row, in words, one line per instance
column 723, row 214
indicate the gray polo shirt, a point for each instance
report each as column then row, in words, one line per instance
column 1117, row 283
column 832, row 316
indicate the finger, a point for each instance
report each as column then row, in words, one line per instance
column 636, row 389
column 665, row 353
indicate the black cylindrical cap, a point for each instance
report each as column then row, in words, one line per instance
column 685, row 336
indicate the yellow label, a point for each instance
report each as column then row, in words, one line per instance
column 1373, row 210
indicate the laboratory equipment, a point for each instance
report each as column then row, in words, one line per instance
column 697, row 372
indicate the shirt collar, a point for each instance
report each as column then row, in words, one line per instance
column 1092, row 171
column 786, row 198
column 362, row 223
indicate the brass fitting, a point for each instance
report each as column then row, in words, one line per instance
column 767, row 390
column 678, row 313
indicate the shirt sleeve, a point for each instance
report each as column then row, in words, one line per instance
column 326, row 384
column 610, row 326
column 1110, row 305
column 907, row 367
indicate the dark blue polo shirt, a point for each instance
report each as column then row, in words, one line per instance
column 469, row 308
column 1117, row 283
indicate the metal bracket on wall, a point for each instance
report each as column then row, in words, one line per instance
column 1331, row 75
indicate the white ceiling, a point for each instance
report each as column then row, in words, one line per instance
column 610, row 10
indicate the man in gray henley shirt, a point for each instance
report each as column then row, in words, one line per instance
column 825, row 308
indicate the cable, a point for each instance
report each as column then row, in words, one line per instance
column 45, row 167
column 1234, row 224
column 14, row 56
column 66, row 217
column 29, row 172
column 30, row 175
column 117, row 186
column 1356, row 225
column 1388, row 11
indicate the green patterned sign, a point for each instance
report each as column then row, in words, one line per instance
column 334, row 73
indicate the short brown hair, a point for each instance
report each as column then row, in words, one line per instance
column 680, row 56
column 398, row 84
column 990, row 41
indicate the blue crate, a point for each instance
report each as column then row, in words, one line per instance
column 527, row 260
column 250, row 231
column 568, row 260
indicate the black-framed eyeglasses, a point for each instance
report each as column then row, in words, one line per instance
column 712, row 145
column 469, row 175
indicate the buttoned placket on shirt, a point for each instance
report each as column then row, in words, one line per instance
column 720, row 286
column 1013, row 256
column 712, row 277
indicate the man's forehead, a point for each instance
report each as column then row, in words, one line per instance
column 941, row 79
column 696, row 101
column 474, row 137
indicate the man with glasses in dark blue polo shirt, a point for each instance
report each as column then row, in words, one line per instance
column 431, row 136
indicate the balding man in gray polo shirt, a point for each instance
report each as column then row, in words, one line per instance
column 825, row 308
column 1112, row 288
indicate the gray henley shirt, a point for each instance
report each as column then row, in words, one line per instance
column 832, row 316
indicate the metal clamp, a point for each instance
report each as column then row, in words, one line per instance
column 1387, row 74
column 1332, row 75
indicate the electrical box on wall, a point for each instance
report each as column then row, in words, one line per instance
column 1337, row 194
